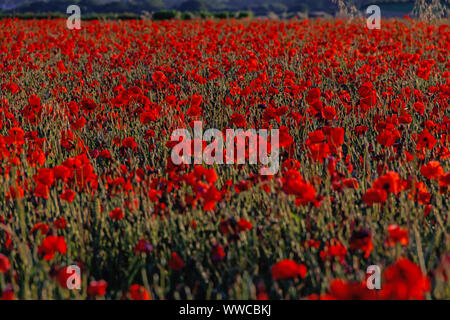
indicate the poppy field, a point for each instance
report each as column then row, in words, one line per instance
column 87, row 178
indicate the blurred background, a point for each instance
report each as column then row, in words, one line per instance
column 190, row 8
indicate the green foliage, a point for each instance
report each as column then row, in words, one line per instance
column 244, row 14
column 165, row 15
column 187, row 15
column 222, row 15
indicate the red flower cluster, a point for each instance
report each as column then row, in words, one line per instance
column 50, row 245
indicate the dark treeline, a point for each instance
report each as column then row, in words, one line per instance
column 256, row 7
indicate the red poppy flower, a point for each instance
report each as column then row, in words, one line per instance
column 146, row 117
column 138, row 292
column 362, row 240
column 351, row 183
column 63, row 277
column 419, row 107
column 293, row 183
column 68, row 195
column 374, row 195
column 97, row 288
column 129, row 143
column 41, row 190
column 143, row 246
column 60, row 223
column 218, row 254
column 159, row 77
column 388, row 137
column 8, row 293
column 397, row 235
column 50, row 245
column 329, row 112
column 288, row 269
column 105, row 154
column 196, row 100
column 285, row 138
column 334, row 249
column 61, row 172
column 194, row 111
column 117, row 214
column 238, row 120
column 404, row 281
column 344, row 290
column 42, row 227
column 426, row 140
column 4, row 263
column 313, row 95
column 211, row 197
column 175, row 262
column 243, row 225
column 44, row 176
column 390, row 182
column 336, row 136
column 88, row 105
column 432, row 170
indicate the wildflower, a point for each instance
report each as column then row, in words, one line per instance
column 97, row 288
column 404, row 280
column 175, row 262
column 50, row 245
column 288, row 269
column 4, row 263
column 397, row 235
column 116, row 214
column 138, row 292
